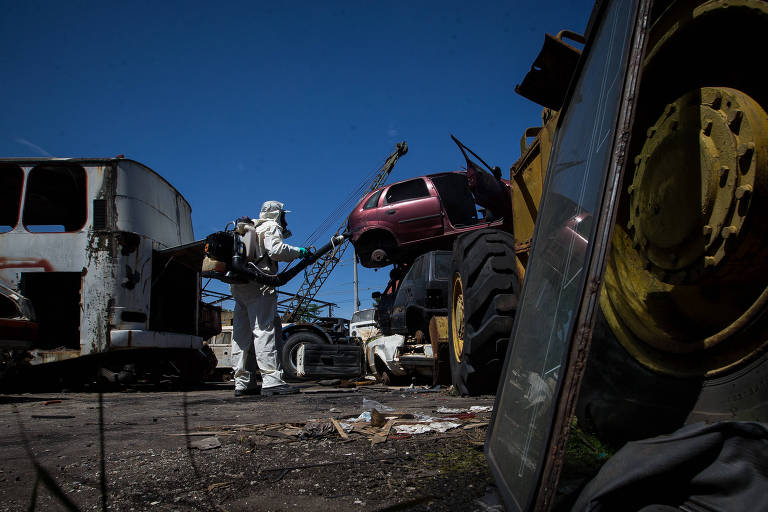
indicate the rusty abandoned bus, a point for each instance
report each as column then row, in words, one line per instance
column 97, row 247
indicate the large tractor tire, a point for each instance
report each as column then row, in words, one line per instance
column 291, row 349
column 484, row 290
column 682, row 334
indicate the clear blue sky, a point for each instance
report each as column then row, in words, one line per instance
column 235, row 103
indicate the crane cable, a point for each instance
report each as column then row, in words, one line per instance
column 345, row 206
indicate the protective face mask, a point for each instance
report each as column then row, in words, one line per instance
column 284, row 224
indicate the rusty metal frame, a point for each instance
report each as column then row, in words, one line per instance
column 282, row 304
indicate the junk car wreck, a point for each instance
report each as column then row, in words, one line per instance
column 96, row 246
column 402, row 220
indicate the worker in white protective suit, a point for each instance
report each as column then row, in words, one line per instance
column 255, row 326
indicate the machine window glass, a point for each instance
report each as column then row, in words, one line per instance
column 554, row 293
column 408, row 190
column 372, row 201
column 11, row 180
column 55, row 199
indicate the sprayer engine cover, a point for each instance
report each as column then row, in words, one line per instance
column 220, row 246
column 217, row 263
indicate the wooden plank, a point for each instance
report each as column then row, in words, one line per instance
column 469, row 426
column 381, row 437
column 339, row 429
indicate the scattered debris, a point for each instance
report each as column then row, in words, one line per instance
column 381, row 437
column 217, row 485
column 377, row 418
column 421, row 428
column 470, row 426
column 207, row 443
column 205, row 433
column 317, row 429
column 473, row 409
column 278, row 433
column 378, row 423
column 326, row 389
column 339, row 429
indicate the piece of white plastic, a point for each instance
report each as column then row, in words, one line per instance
column 373, row 404
column 446, row 410
column 421, row 428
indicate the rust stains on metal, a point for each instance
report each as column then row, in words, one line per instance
column 129, row 242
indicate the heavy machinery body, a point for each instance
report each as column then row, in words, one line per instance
column 94, row 245
column 682, row 329
column 671, row 328
column 685, row 287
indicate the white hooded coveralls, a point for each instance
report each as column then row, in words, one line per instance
column 255, row 326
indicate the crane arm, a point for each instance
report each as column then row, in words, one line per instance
column 316, row 275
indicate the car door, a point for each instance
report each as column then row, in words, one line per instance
column 409, row 288
column 412, row 211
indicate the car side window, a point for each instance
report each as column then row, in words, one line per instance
column 372, row 201
column 442, row 265
column 407, row 190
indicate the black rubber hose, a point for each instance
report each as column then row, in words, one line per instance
column 253, row 273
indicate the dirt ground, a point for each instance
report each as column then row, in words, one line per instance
column 275, row 453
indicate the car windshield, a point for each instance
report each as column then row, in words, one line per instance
column 366, row 315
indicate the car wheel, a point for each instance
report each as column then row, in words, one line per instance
column 484, row 291
column 376, row 250
column 385, row 376
column 291, row 349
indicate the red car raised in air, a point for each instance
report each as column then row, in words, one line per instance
column 396, row 223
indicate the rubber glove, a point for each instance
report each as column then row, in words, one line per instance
column 304, row 252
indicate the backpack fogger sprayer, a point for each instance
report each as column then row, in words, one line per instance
column 227, row 259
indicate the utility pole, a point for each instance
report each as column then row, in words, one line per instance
column 355, row 301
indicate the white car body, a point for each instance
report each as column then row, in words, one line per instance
column 363, row 325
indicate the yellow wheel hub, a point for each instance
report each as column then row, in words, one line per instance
column 687, row 270
column 693, row 182
column 457, row 316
